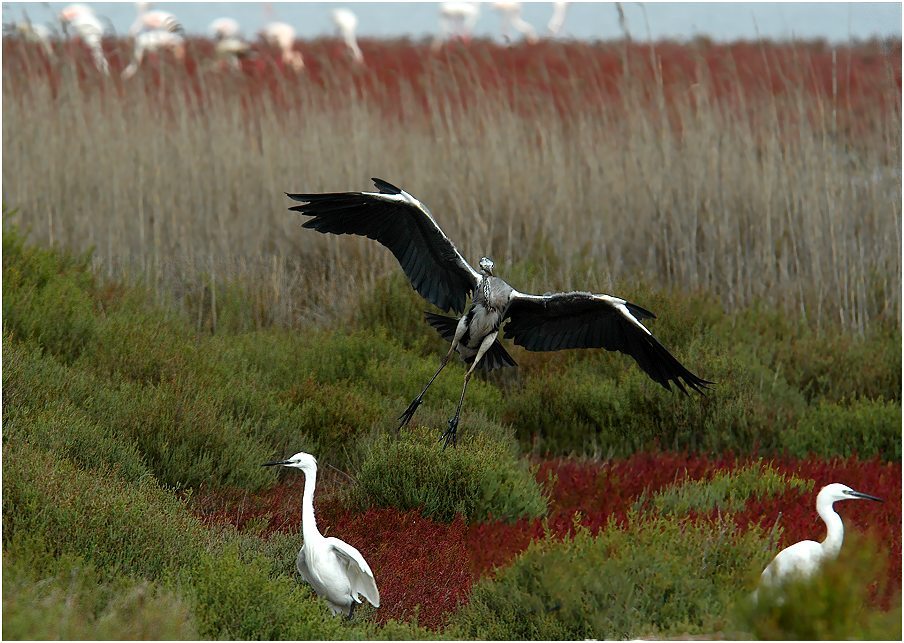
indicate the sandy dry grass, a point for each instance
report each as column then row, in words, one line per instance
column 752, row 195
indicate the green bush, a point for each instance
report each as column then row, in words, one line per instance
column 236, row 597
column 586, row 408
column 726, row 490
column 832, row 605
column 657, row 577
column 73, row 601
column 867, row 428
column 119, row 527
column 36, row 410
column 47, row 296
column 482, row 477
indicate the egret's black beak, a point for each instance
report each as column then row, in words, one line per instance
column 274, row 464
column 865, row 496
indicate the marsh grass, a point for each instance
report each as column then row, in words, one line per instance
column 698, row 182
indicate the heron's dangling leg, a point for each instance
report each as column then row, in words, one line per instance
column 450, row 435
column 351, row 610
column 405, row 417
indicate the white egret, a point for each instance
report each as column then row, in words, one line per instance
column 282, row 36
column 336, row 570
column 803, row 559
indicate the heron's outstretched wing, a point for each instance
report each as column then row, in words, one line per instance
column 405, row 226
column 360, row 577
column 584, row 320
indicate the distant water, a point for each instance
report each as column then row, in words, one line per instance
column 835, row 22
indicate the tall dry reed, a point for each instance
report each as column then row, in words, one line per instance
column 707, row 183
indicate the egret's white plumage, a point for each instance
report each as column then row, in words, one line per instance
column 803, row 559
column 335, row 570
column 87, row 26
column 282, row 36
column 346, row 22
column 510, row 13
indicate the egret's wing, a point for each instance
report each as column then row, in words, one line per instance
column 585, row 320
column 405, row 226
column 360, row 577
column 302, row 566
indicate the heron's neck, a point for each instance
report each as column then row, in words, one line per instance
column 834, row 530
column 309, row 529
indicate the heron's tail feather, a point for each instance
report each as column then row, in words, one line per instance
column 496, row 357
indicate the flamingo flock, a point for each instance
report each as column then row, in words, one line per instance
column 155, row 32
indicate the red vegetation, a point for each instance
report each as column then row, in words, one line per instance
column 402, row 77
column 428, row 568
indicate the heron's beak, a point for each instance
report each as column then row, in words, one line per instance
column 865, row 496
column 274, row 464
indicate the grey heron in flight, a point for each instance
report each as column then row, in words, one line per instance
column 441, row 275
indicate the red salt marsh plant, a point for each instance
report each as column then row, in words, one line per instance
column 428, row 568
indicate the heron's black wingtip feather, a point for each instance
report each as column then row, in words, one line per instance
column 385, row 187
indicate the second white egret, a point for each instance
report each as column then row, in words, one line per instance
column 335, row 570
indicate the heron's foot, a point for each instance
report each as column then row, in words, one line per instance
column 405, row 417
column 450, row 436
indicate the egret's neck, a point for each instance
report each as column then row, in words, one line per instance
column 309, row 529
column 834, row 530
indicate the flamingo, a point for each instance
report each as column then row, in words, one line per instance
column 87, row 26
column 346, row 22
column 221, row 28
column 230, row 46
column 456, row 21
column 282, row 36
column 510, row 12
column 559, row 8
column 156, row 19
column 153, row 40
column 32, row 32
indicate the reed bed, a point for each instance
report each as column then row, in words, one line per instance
column 760, row 173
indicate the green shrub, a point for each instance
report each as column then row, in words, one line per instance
column 657, row 577
column 867, row 428
column 117, row 526
column 236, row 597
column 47, row 296
column 832, row 605
column 726, row 490
column 36, row 410
column 480, row 478
column 140, row 346
column 586, row 408
column 73, row 601
column 393, row 306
